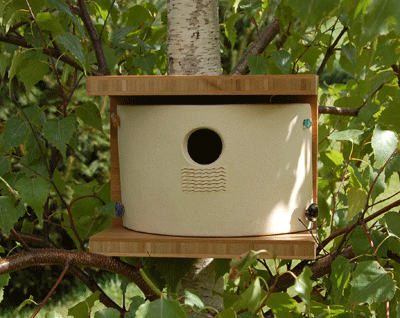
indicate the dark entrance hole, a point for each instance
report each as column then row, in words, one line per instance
column 204, row 146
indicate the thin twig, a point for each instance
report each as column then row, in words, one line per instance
column 376, row 179
column 330, row 51
column 371, row 243
column 105, row 21
column 20, row 239
column 65, row 270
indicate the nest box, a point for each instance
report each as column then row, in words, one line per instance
column 211, row 166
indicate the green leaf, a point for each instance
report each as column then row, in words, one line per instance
column 230, row 31
column 221, row 267
column 390, row 117
column 137, row 15
column 349, row 101
column 165, row 308
column 384, row 143
column 15, row 64
column 3, row 282
column 59, row 132
column 282, row 305
column 371, row 283
column 90, row 115
column 227, row 313
column 314, row 11
column 60, row 6
column 168, row 271
column 352, row 135
column 283, row 60
column 348, row 58
column 108, row 209
column 33, row 73
column 146, row 63
column 243, row 263
column 119, row 35
column 72, row 44
column 136, row 302
column 34, row 191
column 22, row 305
column 9, row 214
column 379, row 186
column 52, row 315
column 83, row 308
column 4, row 164
column 392, row 220
column 357, row 198
column 258, row 64
column 193, row 300
column 322, row 310
column 303, row 285
column 14, row 132
column 251, row 297
column 3, row 64
column 47, row 21
column 335, row 157
column 340, row 277
column 311, row 56
column 107, row 313
column 368, row 111
column 85, row 204
column 376, row 18
column 361, row 243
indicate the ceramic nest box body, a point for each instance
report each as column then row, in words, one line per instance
column 237, row 164
column 213, row 156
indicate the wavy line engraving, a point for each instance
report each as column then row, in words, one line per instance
column 203, row 180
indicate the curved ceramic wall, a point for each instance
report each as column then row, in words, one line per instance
column 220, row 170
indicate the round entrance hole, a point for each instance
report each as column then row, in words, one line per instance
column 204, row 146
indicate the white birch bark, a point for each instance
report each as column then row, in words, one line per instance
column 193, row 37
column 193, row 48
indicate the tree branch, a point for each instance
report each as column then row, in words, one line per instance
column 51, row 256
column 319, row 268
column 351, row 227
column 257, row 47
column 343, row 111
column 95, row 38
column 21, row 42
column 330, row 51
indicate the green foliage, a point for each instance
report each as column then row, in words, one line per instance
column 371, row 283
column 54, row 146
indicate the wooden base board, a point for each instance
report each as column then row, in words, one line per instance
column 119, row 241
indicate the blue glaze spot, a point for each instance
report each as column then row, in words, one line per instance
column 119, row 209
column 307, row 123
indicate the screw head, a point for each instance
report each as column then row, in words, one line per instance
column 312, row 212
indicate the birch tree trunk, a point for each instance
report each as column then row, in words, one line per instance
column 193, row 48
column 193, row 37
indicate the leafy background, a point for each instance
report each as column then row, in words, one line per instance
column 54, row 150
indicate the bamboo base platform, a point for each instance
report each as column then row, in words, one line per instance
column 119, row 241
